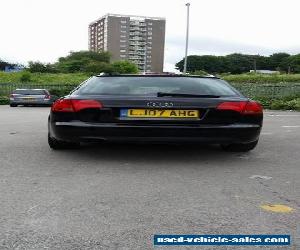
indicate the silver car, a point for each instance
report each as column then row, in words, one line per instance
column 30, row 97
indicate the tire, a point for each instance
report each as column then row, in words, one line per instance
column 239, row 147
column 56, row 145
column 13, row 105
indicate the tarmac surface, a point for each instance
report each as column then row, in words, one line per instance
column 117, row 196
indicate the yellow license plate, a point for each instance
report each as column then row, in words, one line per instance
column 159, row 113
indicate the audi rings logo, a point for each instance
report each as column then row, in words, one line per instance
column 160, row 104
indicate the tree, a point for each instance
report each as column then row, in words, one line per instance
column 207, row 63
column 125, row 67
column 86, row 56
column 291, row 63
column 277, row 59
column 98, row 67
column 39, row 67
column 239, row 63
column 84, row 61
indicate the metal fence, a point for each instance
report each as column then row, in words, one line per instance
column 250, row 90
column 271, row 91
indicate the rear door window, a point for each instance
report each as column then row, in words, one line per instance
column 29, row 92
column 152, row 85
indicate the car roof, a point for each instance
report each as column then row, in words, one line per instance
column 30, row 89
column 156, row 75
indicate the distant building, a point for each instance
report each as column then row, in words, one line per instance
column 263, row 71
column 15, row 68
column 138, row 39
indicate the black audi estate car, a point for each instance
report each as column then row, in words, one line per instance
column 155, row 108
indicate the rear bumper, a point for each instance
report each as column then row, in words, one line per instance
column 77, row 131
column 37, row 102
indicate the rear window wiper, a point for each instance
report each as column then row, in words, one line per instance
column 162, row 94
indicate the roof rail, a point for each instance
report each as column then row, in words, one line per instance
column 108, row 74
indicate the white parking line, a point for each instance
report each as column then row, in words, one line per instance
column 295, row 126
column 260, row 177
column 284, row 115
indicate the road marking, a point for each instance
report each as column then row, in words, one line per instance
column 266, row 133
column 295, row 126
column 277, row 208
column 260, row 177
column 32, row 208
column 284, row 115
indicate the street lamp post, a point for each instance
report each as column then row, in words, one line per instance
column 187, row 36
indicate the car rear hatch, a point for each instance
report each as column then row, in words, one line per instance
column 114, row 110
column 29, row 96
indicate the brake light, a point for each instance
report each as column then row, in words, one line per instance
column 12, row 96
column 68, row 105
column 47, row 97
column 63, row 105
column 234, row 106
column 253, row 107
column 85, row 104
column 249, row 107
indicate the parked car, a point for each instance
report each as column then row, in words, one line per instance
column 28, row 97
column 155, row 108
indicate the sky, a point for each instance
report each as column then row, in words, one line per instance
column 44, row 30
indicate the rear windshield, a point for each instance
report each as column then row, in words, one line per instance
column 29, row 92
column 152, row 85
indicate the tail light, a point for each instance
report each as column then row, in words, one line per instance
column 69, row 105
column 63, row 105
column 253, row 107
column 12, row 96
column 249, row 107
column 47, row 97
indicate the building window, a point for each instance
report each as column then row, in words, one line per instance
column 122, row 41
column 123, row 36
column 123, row 21
column 123, row 27
column 149, row 37
column 123, row 56
column 123, row 50
column 149, row 23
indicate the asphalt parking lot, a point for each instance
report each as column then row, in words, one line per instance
column 117, row 196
